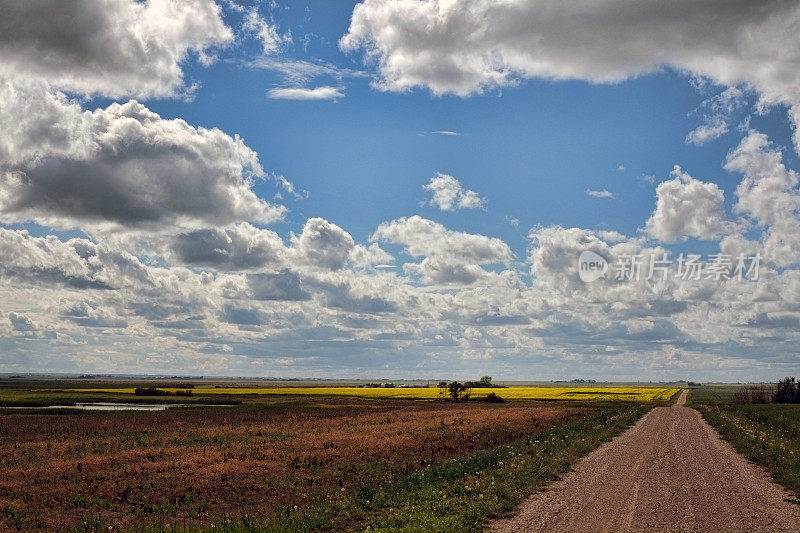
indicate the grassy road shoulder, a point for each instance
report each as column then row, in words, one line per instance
column 462, row 494
column 767, row 434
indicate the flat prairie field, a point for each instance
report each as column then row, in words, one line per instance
column 193, row 468
column 292, row 458
column 630, row 394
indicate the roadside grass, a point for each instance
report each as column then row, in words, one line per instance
column 767, row 434
column 462, row 494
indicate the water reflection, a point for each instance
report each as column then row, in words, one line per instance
column 109, row 406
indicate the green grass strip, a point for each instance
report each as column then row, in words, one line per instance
column 766, row 434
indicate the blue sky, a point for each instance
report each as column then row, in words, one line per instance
column 532, row 150
column 312, row 234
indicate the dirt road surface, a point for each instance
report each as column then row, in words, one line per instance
column 669, row 472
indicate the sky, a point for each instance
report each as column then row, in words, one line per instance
column 400, row 189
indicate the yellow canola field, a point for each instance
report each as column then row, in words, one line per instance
column 632, row 394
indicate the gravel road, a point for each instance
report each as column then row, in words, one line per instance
column 669, row 472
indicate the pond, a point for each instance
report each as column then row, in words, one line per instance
column 110, row 406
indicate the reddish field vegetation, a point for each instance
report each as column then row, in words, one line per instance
column 198, row 466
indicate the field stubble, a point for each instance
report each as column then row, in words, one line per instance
column 137, row 470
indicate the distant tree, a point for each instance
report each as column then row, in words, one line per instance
column 152, row 391
column 484, row 383
column 786, row 391
column 456, row 389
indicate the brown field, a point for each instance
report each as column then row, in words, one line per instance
column 196, row 467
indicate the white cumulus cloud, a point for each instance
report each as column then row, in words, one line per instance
column 468, row 47
column 687, row 207
column 449, row 195
column 113, row 48
column 768, row 194
column 449, row 257
column 122, row 165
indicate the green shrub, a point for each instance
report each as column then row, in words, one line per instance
column 786, row 391
column 492, row 398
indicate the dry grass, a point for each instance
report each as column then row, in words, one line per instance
column 145, row 469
